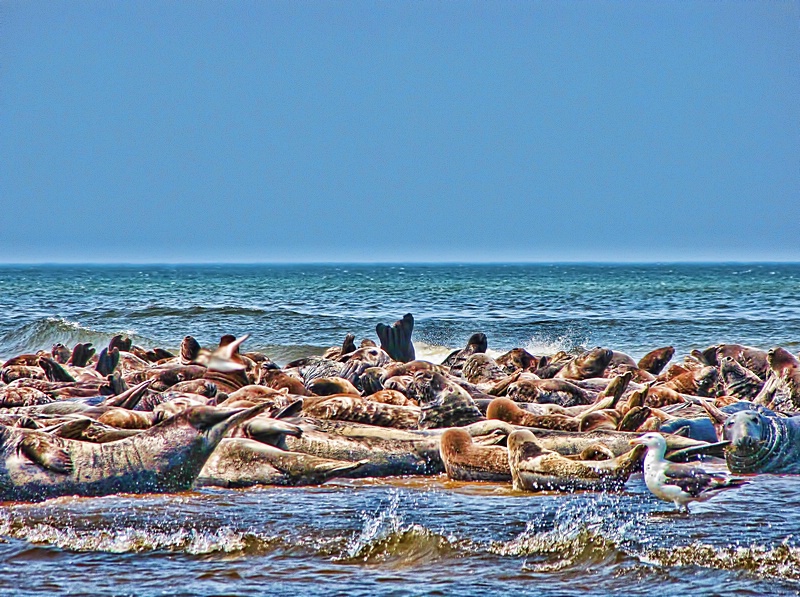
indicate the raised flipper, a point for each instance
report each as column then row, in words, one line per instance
column 81, row 354
column 129, row 398
column 634, row 418
column 46, row 452
column 289, row 411
column 53, row 371
column 107, row 361
column 117, row 384
column 396, row 340
column 349, row 345
column 120, row 343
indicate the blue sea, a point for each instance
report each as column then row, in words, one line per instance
column 416, row 535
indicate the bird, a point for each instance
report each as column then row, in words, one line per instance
column 680, row 484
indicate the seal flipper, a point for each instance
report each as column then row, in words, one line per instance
column 130, row 397
column 396, row 340
column 117, row 384
column 634, row 418
column 716, row 449
column 289, row 411
column 349, row 345
column 41, row 450
column 120, row 343
column 107, row 361
column 53, row 370
column 70, row 429
column 81, row 354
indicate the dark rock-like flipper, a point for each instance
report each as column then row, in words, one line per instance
column 46, row 452
column 396, row 340
column 634, row 418
column 81, row 354
column 121, row 343
column 107, row 361
column 117, row 384
column 292, row 410
column 349, row 345
column 53, row 371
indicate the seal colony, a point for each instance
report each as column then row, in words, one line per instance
column 130, row 419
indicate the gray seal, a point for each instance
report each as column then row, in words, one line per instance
column 762, row 444
column 36, row 466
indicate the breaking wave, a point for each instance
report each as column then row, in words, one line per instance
column 43, row 333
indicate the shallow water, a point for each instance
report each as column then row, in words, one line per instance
column 409, row 536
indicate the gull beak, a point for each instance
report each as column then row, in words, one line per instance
column 636, row 442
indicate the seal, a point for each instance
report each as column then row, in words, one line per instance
column 655, row 360
column 506, row 410
column 35, row 466
column 480, row 369
column 327, row 386
column 443, row 403
column 517, row 359
column 701, row 382
column 239, row 462
column 738, row 381
column 476, row 344
column 346, row 407
column 534, row 468
column 762, row 443
column 591, row 363
column 781, row 391
column 548, row 391
column 464, row 460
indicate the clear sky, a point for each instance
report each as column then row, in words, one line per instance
column 399, row 131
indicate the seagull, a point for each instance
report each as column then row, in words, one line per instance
column 679, row 483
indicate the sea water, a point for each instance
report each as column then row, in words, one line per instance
column 415, row 535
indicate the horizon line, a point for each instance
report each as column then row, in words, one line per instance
column 395, row 263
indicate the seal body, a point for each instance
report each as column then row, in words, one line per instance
column 465, row 460
column 35, row 466
column 762, row 444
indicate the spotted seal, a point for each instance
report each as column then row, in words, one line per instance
column 239, row 462
column 534, row 468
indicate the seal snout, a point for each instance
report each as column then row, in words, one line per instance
column 747, row 444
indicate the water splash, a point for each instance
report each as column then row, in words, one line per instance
column 782, row 561
column 385, row 538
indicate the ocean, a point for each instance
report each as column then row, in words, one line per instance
column 415, row 535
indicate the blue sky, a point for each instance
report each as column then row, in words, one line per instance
column 410, row 131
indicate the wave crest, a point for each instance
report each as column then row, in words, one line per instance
column 44, row 332
column 782, row 561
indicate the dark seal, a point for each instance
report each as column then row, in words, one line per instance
column 762, row 444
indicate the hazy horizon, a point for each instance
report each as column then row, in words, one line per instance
column 387, row 263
